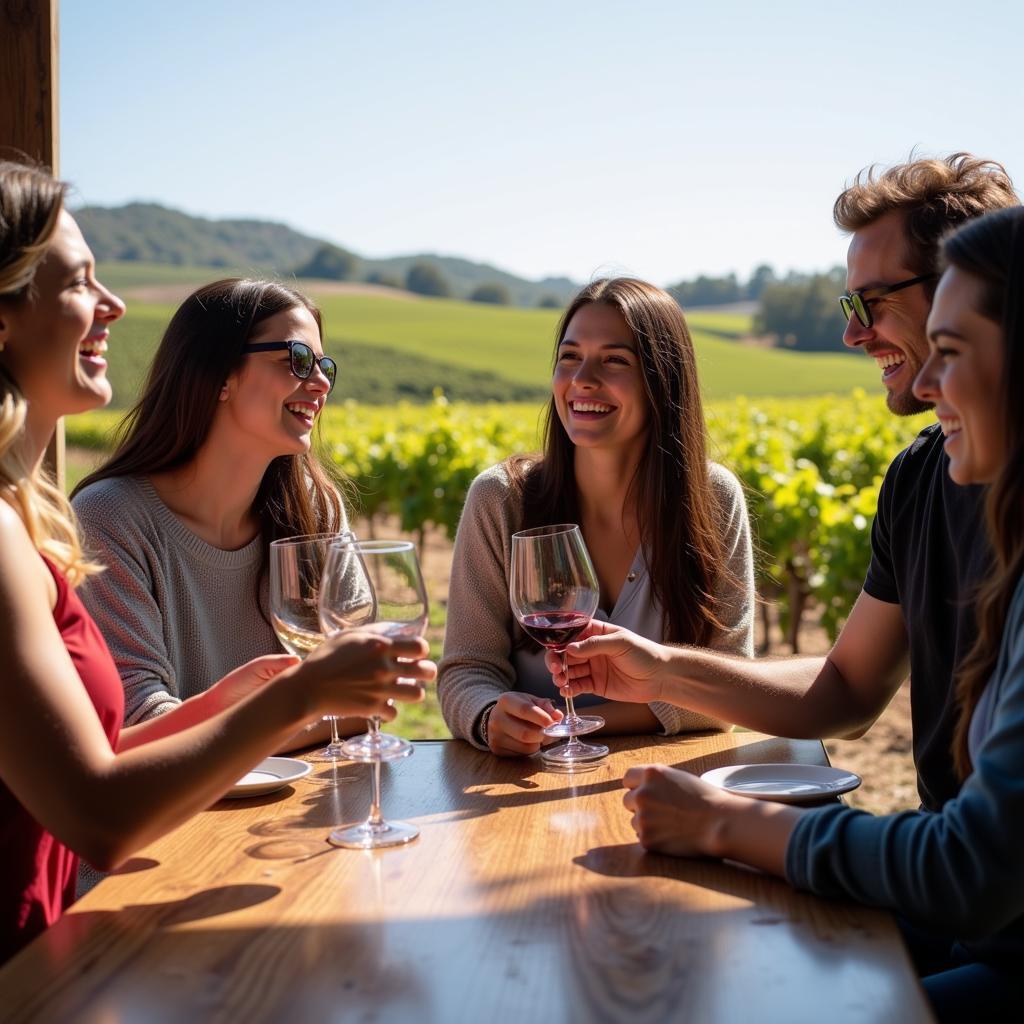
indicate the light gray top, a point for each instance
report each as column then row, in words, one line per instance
column 483, row 651
column 177, row 613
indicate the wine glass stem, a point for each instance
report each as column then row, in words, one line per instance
column 375, row 820
column 335, row 738
column 570, row 707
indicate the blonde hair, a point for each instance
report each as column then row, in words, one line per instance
column 30, row 204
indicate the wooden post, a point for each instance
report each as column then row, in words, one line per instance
column 28, row 108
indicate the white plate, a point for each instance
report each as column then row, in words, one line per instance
column 270, row 774
column 786, row 783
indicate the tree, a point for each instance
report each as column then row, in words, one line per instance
column 804, row 315
column 384, row 279
column 549, row 301
column 493, row 292
column 761, row 278
column 426, row 279
column 330, row 263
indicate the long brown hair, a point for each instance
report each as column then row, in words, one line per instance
column 675, row 507
column 991, row 249
column 201, row 347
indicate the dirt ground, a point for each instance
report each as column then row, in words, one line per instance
column 882, row 758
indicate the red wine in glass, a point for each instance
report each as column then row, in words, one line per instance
column 554, row 630
column 553, row 592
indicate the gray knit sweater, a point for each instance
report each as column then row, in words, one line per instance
column 483, row 651
column 177, row 613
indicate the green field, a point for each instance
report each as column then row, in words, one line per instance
column 394, row 348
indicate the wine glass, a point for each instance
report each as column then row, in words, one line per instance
column 374, row 586
column 296, row 567
column 554, row 593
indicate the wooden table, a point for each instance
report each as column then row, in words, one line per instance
column 526, row 898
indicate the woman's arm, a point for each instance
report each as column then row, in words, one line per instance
column 476, row 671
column 58, row 763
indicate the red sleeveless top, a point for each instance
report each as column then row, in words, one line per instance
column 37, row 879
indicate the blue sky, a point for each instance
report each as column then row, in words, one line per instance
column 662, row 139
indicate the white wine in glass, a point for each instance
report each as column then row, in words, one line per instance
column 296, row 569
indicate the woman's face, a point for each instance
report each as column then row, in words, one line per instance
column 54, row 341
column 264, row 400
column 598, row 384
column 962, row 378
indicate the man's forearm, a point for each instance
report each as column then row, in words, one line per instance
column 804, row 698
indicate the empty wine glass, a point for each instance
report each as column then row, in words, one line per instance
column 374, row 586
column 554, row 593
column 296, row 568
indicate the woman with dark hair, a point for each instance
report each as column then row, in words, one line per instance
column 955, row 875
column 212, row 464
column 72, row 780
column 625, row 458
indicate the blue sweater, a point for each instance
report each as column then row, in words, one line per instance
column 959, row 871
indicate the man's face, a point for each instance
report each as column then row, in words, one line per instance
column 896, row 340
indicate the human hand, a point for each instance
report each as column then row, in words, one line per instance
column 515, row 726
column 247, row 678
column 611, row 662
column 356, row 674
column 673, row 812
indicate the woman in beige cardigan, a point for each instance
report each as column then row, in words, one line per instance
column 625, row 458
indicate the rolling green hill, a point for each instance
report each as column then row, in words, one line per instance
column 393, row 348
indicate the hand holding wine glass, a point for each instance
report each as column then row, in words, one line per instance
column 554, row 593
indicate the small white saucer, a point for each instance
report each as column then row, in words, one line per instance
column 786, row 783
column 270, row 774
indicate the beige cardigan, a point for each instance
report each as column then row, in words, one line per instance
column 483, row 653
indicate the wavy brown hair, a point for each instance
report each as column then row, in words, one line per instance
column 936, row 195
column 991, row 249
column 201, row 347
column 675, row 507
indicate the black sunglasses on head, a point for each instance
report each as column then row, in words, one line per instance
column 301, row 357
column 855, row 303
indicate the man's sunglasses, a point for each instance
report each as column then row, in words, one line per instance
column 855, row 303
column 302, row 358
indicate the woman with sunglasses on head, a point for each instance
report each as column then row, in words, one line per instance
column 625, row 458
column 955, row 875
column 73, row 781
column 212, row 464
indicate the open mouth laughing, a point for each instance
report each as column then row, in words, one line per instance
column 304, row 412
column 589, row 409
column 94, row 348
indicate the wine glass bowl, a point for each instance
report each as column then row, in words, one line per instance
column 296, row 569
column 553, row 592
column 377, row 587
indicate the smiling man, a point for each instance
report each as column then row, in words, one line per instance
column 928, row 549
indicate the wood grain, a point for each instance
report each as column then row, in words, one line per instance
column 525, row 897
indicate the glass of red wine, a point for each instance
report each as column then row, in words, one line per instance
column 554, row 593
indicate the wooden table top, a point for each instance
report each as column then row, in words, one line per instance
column 525, row 898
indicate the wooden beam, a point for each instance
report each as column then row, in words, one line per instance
column 29, row 120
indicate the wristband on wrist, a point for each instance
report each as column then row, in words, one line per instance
column 481, row 725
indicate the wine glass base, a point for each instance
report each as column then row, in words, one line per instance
column 332, row 752
column 382, row 747
column 580, row 725
column 575, row 756
column 365, row 836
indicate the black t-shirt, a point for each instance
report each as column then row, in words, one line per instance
column 929, row 552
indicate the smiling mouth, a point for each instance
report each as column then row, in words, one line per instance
column 303, row 411
column 92, row 350
column 950, row 425
column 590, row 408
column 889, row 362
